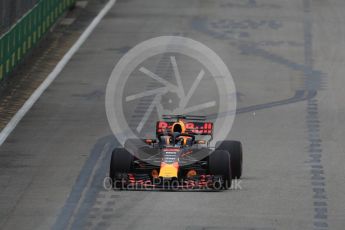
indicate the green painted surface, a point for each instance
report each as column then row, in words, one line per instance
column 26, row 33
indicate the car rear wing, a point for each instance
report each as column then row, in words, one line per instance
column 192, row 127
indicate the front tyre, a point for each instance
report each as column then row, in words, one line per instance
column 219, row 164
column 235, row 150
column 120, row 163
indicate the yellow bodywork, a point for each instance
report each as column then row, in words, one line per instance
column 168, row 170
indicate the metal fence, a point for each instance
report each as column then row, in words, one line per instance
column 12, row 10
column 26, row 31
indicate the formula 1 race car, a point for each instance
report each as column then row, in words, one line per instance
column 179, row 158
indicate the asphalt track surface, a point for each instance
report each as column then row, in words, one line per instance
column 287, row 61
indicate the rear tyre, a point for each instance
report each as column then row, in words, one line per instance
column 219, row 164
column 120, row 163
column 235, row 150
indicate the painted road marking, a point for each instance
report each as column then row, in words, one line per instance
column 67, row 21
column 52, row 76
column 81, row 4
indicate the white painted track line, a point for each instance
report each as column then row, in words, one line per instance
column 51, row 77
